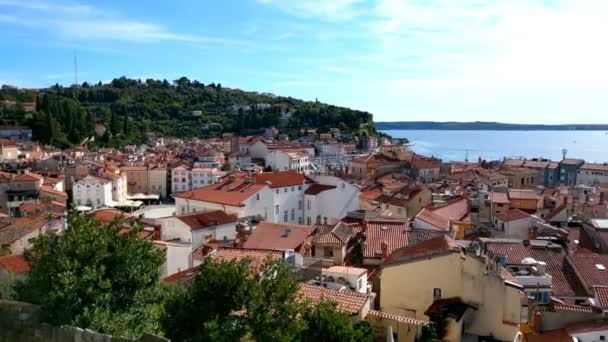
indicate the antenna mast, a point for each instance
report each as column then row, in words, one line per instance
column 75, row 70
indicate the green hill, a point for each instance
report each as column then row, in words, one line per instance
column 129, row 108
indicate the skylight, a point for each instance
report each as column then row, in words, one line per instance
column 600, row 267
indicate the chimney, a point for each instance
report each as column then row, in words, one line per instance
column 384, row 249
column 364, row 226
column 325, row 220
column 526, row 243
column 536, row 320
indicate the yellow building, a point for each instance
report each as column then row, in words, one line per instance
column 415, row 279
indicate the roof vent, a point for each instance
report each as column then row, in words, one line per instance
column 600, row 267
column 384, row 228
column 286, row 233
column 378, row 252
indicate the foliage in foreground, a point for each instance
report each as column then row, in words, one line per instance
column 95, row 276
column 98, row 276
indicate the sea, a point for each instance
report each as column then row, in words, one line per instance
column 592, row 146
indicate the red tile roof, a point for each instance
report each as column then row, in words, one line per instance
column 338, row 234
column 499, row 197
column 277, row 236
column 28, row 177
column 373, row 158
column 229, row 191
column 602, row 294
column 512, row 215
column 107, row 215
column 14, row 264
column 455, row 210
column 395, row 234
column 133, row 168
column 21, row 227
column 437, row 246
column 347, row 301
column 281, row 179
column 183, row 276
column 565, row 282
column 203, row 219
column 258, row 257
column 573, row 308
column 396, row 318
column 592, row 267
column 318, row 188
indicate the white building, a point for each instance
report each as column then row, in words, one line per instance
column 157, row 180
column 276, row 196
column 178, row 256
column 198, row 227
column 591, row 173
column 119, row 185
column 94, row 192
column 331, row 198
column 514, row 224
column 186, row 179
column 283, row 160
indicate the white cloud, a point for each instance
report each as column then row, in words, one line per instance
column 74, row 21
column 323, row 9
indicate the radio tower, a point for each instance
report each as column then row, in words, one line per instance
column 75, row 70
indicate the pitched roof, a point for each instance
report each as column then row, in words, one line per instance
column 347, row 301
column 499, row 197
column 437, row 246
column 512, row 215
column 107, row 215
column 14, row 264
column 316, row 189
column 183, row 276
column 374, row 158
column 257, row 256
column 203, row 219
column 395, row 234
column 595, row 167
column 229, row 191
column 565, row 282
column 339, row 234
column 455, row 210
column 397, row 318
column 21, row 227
column 28, row 177
column 602, row 294
column 281, row 179
column 592, row 267
column 277, row 236
column 130, row 168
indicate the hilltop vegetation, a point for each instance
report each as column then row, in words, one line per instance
column 123, row 110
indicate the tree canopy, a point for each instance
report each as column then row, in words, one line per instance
column 96, row 276
column 128, row 108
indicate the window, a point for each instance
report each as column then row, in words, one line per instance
column 359, row 284
column 299, row 187
column 285, row 216
column 98, row 201
column 308, row 221
column 277, row 191
column 276, row 209
column 257, row 197
column 328, row 252
column 285, row 189
column 300, row 205
column 293, row 214
column 300, row 220
column 308, row 204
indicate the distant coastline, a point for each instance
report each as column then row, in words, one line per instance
column 485, row 126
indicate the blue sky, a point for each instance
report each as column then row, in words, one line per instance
column 528, row 61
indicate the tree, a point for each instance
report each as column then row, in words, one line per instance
column 274, row 309
column 210, row 310
column 326, row 323
column 96, row 276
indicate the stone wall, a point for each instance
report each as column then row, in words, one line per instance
column 20, row 322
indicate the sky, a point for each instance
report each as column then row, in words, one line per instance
column 519, row 61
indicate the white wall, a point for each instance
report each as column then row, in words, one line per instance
column 516, row 229
column 94, row 191
column 588, row 177
column 180, row 180
column 177, row 258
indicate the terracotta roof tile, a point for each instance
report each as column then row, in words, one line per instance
column 592, row 267
column 14, row 264
column 21, row 227
column 281, row 179
column 257, row 256
column 512, row 215
column 396, row 318
column 347, row 301
column 203, row 219
column 28, row 177
column 277, row 236
column 436, row 246
column 318, row 188
column 229, row 191
column 565, row 282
